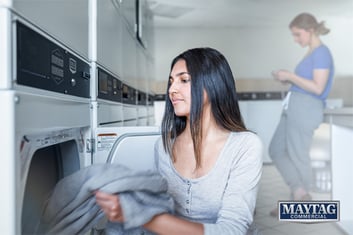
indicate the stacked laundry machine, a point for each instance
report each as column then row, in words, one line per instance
column 123, row 57
column 45, row 94
column 72, row 94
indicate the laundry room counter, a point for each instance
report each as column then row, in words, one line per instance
column 339, row 116
column 341, row 121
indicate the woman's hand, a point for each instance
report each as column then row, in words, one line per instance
column 316, row 85
column 110, row 205
column 282, row 75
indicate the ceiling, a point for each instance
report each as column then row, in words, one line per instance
column 243, row 13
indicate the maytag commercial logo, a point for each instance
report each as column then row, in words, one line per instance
column 309, row 211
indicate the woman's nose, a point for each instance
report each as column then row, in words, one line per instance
column 173, row 88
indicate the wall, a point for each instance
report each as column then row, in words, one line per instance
column 247, row 50
column 255, row 51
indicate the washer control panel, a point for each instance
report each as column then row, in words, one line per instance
column 109, row 86
column 42, row 63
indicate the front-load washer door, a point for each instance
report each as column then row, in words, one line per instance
column 129, row 146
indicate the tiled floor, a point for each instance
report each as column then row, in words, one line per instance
column 272, row 189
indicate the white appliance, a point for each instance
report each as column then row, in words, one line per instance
column 127, row 145
column 48, row 91
column 109, row 110
column 64, row 20
column 129, row 105
column 45, row 121
column 130, row 146
column 40, row 145
column 142, row 109
column 262, row 117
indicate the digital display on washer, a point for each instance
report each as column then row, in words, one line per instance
column 129, row 95
column 141, row 98
column 125, row 92
column 109, row 87
column 103, row 83
column 42, row 63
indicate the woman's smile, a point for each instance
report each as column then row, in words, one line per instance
column 176, row 101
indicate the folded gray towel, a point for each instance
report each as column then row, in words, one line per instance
column 72, row 209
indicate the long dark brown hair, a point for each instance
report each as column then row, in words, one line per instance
column 210, row 72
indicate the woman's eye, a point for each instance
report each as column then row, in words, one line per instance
column 185, row 80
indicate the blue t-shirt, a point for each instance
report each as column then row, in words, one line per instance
column 320, row 58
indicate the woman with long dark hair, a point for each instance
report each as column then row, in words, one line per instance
column 211, row 162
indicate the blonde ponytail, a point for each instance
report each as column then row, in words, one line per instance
column 307, row 21
column 321, row 29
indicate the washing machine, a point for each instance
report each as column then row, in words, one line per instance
column 132, row 146
column 129, row 97
column 45, row 125
column 142, row 109
column 109, row 111
column 119, row 136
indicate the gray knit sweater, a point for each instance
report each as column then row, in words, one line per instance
column 224, row 199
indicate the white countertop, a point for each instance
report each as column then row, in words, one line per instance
column 339, row 116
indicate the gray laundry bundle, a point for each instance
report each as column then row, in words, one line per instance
column 72, row 209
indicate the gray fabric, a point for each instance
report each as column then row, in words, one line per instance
column 72, row 209
column 290, row 144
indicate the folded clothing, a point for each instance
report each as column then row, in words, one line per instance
column 72, row 208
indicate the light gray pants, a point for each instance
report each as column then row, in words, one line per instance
column 290, row 144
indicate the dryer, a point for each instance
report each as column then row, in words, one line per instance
column 132, row 146
column 45, row 125
column 142, row 109
column 109, row 111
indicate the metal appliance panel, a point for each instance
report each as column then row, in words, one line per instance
column 110, row 114
column 110, row 32
column 67, row 21
column 30, row 111
column 109, row 86
column 109, row 100
column 5, row 48
column 130, row 146
column 36, row 121
column 43, row 64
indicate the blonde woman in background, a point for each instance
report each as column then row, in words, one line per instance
column 303, row 107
